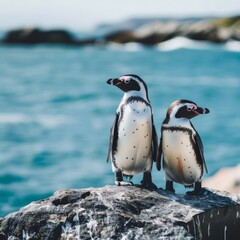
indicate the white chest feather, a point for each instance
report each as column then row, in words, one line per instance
column 134, row 139
column 179, row 157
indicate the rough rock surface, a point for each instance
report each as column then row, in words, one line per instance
column 226, row 179
column 114, row 212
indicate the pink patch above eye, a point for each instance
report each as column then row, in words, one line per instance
column 191, row 107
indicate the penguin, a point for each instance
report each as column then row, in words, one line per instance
column 133, row 141
column 181, row 147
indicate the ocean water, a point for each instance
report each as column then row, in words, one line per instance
column 56, row 110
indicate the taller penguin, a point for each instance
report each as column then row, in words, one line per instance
column 181, row 146
column 133, row 139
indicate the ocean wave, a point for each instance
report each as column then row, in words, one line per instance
column 184, row 43
column 133, row 47
column 44, row 120
column 128, row 47
column 13, row 118
column 179, row 43
column 233, row 46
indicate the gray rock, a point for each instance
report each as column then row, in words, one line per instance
column 206, row 31
column 122, row 36
column 236, row 34
column 35, row 36
column 157, row 32
column 130, row 212
column 144, row 31
column 217, row 30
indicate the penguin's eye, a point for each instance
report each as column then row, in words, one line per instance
column 191, row 108
column 127, row 81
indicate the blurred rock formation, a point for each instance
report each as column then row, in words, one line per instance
column 144, row 31
column 226, row 179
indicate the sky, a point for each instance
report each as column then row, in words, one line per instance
column 86, row 14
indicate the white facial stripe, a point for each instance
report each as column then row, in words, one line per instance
column 190, row 106
column 127, row 78
column 175, row 109
column 142, row 93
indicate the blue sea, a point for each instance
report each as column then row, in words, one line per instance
column 56, row 110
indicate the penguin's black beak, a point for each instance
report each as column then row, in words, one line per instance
column 201, row 110
column 114, row 81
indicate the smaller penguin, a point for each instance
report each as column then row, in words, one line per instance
column 181, row 146
column 133, row 140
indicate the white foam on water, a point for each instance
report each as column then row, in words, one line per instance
column 233, row 46
column 13, row 118
column 183, row 43
column 44, row 120
column 128, row 47
column 50, row 121
column 133, row 47
column 179, row 43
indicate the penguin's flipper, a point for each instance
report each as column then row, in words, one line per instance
column 159, row 156
column 113, row 138
column 154, row 143
column 199, row 143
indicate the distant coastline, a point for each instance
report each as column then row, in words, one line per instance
column 144, row 31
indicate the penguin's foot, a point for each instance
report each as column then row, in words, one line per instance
column 123, row 183
column 147, row 181
column 169, row 186
column 192, row 193
column 119, row 180
column 197, row 189
column 149, row 185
